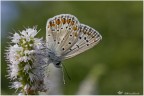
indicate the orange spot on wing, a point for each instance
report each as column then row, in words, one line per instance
column 53, row 24
column 50, row 23
column 58, row 21
column 88, row 33
column 63, row 20
column 75, row 28
column 72, row 23
column 68, row 21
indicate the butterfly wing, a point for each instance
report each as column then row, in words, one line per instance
column 66, row 37
column 61, row 33
column 88, row 38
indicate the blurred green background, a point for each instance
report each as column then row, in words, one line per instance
column 117, row 61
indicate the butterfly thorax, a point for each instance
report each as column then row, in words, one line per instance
column 53, row 58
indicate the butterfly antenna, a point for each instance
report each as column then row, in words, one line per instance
column 63, row 75
column 66, row 71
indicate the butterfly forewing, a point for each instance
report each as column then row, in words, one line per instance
column 61, row 33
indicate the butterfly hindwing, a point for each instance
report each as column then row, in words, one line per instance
column 88, row 38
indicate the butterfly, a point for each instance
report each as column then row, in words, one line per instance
column 66, row 37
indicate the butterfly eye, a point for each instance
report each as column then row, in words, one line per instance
column 58, row 63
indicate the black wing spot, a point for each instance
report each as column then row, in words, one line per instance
column 63, row 49
column 48, row 35
column 80, row 37
column 69, row 42
column 87, row 40
column 90, row 29
column 98, row 35
column 54, row 40
column 84, row 38
column 77, row 46
column 87, row 44
column 70, row 35
column 58, row 43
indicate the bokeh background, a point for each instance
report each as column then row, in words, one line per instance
column 114, row 65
